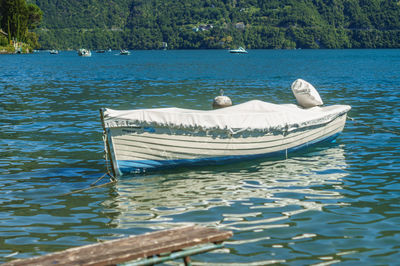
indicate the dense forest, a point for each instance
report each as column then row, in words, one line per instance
column 188, row 24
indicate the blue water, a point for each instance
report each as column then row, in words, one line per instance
column 336, row 203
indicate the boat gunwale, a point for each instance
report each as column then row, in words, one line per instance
column 329, row 114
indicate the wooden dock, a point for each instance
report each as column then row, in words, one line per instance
column 146, row 249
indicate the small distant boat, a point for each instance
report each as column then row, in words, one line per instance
column 53, row 51
column 239, row 50
column 84, row 52
column 141, row 140
column 124, row 52
column 100, row 51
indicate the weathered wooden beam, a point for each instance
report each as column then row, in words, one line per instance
column 183, row 254
column 131, row 248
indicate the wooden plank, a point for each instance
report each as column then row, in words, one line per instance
column 183, row 254
column 130, row 248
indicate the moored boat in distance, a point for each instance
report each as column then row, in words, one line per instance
column 148, row 139
column 84, row 52
column 124, row 52
column 53, row 51
column 239, row 50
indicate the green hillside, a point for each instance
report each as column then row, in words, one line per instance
column 188, row 24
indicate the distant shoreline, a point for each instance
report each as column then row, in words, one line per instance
column 12, row 50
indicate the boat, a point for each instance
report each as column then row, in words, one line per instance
column 239, row 50
column 124, row 52
column 100, row 51
column 53, row 51
column 142, row 140
column 84, row 52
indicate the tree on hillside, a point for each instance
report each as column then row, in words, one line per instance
column 34, row 15
column 17, row 17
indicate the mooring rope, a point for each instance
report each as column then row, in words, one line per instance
column 100, row 178
column 106, row 152
column 373, row 127
column 113, row 179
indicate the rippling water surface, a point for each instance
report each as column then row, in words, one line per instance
column 332, row 204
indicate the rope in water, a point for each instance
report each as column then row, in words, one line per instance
column 373, row 127
column 92, row 186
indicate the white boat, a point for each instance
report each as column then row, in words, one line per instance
column 141, row 140
column 53, row 51
column 84, row 52
column 239, row 50
column 124, row 52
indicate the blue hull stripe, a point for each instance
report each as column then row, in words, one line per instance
column 131, row 167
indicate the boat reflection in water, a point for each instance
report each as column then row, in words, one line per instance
column 169, row 199
column 262, row 202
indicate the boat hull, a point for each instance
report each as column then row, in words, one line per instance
column 237, row 52
column 142, row 149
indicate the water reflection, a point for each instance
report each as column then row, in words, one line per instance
column 249, row 197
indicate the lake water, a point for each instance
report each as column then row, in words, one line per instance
column 338, row 203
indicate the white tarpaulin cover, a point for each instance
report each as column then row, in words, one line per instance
column 254, row 115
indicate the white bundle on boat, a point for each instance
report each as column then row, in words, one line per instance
column 306, row 95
